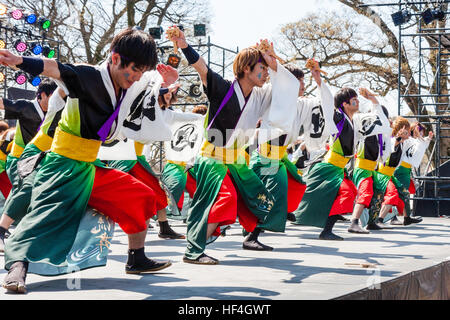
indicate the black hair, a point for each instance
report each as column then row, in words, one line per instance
column 137, row 46
column 47, row 86
column 344, row 95
column 296, row 71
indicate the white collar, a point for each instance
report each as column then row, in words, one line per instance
column 38, row 108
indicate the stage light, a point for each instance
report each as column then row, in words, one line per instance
column 156, row 32
column 20, row 45
column 31, row 18
column 20, row 77
column 2, row 77
column 3, row 10
column 173, row 60
column 401, row 17
column 199, row 30
column 36, row 48
column 2, row 44
column 17, row 14
column 35, row 81
column 44, row 23
column 429, row 15
column 47, row 52
column 195, row 91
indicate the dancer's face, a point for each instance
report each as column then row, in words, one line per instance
column 125, row 77
column 259, row 74
column 352, row 106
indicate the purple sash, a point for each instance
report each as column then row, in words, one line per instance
column 106, row 127
column 224, row 102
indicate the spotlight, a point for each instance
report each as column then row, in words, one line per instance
column 3, row 9
column 20, row 77
column 174, row 60
column 429, row 15
column 47, row 52
column 36, row 48
column 2, row 77
column 199, row 30
column 20, row 45
column 2, row 44
column 194, row 91
column 156, row 32
column 35, row 81
column 44, row 23
column 31, row 18
column 401, row 17
column 17, row 14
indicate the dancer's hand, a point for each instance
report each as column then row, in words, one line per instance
column 177, row 36
column 168, row 73
column 316, row 75
column 9, row 59
column 268, row 53
column 430, row 134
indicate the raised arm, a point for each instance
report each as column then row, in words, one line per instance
column 198, row 63
column 35, row 66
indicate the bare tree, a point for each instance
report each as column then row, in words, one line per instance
column 358, row 48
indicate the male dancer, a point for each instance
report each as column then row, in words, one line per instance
column 68, row 179
column 17, row 204
column 372, row 149
column 225, row 185
column 271, row 164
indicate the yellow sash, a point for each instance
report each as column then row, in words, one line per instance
column 406, row 165
column 227, row 156
column 180, row 163
column 272, row 152
column 16, row 150
column 2, row 156
column 366, row 164
column 75, row 148
column 336, row 159
column 386, row 170
column 139, row 147
column 42, row 141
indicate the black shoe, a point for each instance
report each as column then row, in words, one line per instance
column 373, row 226
column 396, row 222
column 147, row 266
column 341, row 218
column 330, row 236
column 203, row 259
column 355, row 228
column 409, row 220
column 166, row 232
column 14, row 281
column 382, row 225
column 291, row 217
column 138, row 263
column 255, row 245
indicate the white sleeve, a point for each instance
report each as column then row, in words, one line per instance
column 55, row 103
column 417, row 151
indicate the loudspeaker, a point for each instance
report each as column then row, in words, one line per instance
column 428, row 208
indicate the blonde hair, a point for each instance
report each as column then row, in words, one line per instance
column 247, row 57
column 398, row 124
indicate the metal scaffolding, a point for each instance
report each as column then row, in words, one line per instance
column 432, row 110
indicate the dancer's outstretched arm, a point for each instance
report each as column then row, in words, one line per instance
column 35, row 66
